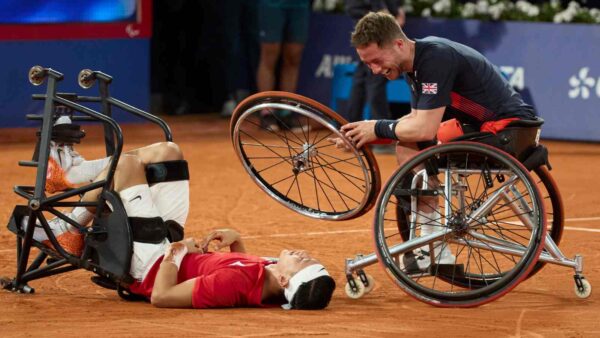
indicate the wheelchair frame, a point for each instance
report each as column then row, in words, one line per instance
column 546, row 249
column 97, row 250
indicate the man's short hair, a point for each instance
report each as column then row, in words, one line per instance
column 314, row 295
column 380, row 28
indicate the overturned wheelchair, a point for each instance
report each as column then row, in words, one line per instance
column 108, row 242
column 458, row 225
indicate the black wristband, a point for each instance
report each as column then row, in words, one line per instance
column 386, row 129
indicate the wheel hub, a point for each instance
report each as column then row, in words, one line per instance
column 302, row 161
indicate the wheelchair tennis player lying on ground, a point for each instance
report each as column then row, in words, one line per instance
column 183, row 274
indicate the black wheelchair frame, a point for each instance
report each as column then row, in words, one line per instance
column 108, row 249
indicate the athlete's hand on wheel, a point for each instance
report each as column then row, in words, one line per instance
column 223, row 238
column 360, row 133
column 339, row 143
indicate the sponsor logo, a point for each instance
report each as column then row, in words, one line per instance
column 582, row 84
column 136, row 197
column 429, row 88
column 328, row 61
column 514, row 75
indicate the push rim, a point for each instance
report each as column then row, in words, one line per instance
column 300, row 168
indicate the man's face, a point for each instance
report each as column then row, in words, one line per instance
column 384, row 60
column 292, row 261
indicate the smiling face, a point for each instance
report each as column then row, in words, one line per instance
column 292, row 261
column 389, row 60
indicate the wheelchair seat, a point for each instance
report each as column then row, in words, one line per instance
column 519, row 138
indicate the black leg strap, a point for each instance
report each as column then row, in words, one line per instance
column 167, row 171
column 175, row 231
column 148, row 230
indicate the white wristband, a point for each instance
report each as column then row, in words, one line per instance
column 178, row 255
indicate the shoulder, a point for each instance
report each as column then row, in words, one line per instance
column 434, row 53
column 433, row 46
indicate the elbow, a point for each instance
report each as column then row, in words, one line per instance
column 158, row 300
column 427, row 135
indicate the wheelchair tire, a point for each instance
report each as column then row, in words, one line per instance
column 291, row 159
column 497, row 230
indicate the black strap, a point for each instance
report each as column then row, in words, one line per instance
column 175, row 231
column 167, row 171
column 148, row 230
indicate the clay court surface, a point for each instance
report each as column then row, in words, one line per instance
column 223, row 195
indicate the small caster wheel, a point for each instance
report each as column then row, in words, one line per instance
column 37, row 75
column 355, row 294
column 583, row 288
column 371, row 285
column 86, row 78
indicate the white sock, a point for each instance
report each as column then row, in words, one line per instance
column 87, row 171
column 82, row 216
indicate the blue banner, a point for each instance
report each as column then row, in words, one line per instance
column 127, row 60
column 555, row 67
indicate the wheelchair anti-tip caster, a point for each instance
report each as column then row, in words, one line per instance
column 356, row 287
column 37, row 75
column 583, row 288
column 86, row 78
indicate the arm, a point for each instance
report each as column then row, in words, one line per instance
column 419, row 125
column 166, row 292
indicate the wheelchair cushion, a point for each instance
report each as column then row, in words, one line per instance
column 517, row 141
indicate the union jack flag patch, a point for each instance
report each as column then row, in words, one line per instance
column 429, row 88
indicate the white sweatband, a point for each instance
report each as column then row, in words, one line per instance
column 303, row 276
column 177, row 256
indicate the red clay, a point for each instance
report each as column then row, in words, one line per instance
column 223, row 195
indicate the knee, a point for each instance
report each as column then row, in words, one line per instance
column 292, row 56
column 269, row 54
column 164, row 151
column 169, row 151
column 158, row 300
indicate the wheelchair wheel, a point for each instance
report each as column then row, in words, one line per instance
column 473, row 212
column 554, row 224
column 282, row 140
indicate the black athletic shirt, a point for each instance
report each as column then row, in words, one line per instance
column 447, row 73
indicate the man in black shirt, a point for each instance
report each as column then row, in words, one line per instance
column 447, row 80
column 368, row 88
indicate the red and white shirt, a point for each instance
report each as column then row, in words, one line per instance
column 222, row 279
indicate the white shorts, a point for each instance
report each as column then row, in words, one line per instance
column 138, row 202
column 172, row 200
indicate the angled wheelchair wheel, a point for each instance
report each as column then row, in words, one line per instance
column 283, row 142
column 474, row 215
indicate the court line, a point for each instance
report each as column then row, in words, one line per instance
column 333, row 232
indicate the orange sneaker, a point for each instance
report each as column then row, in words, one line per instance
column 56, row 179
column 71, row 242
